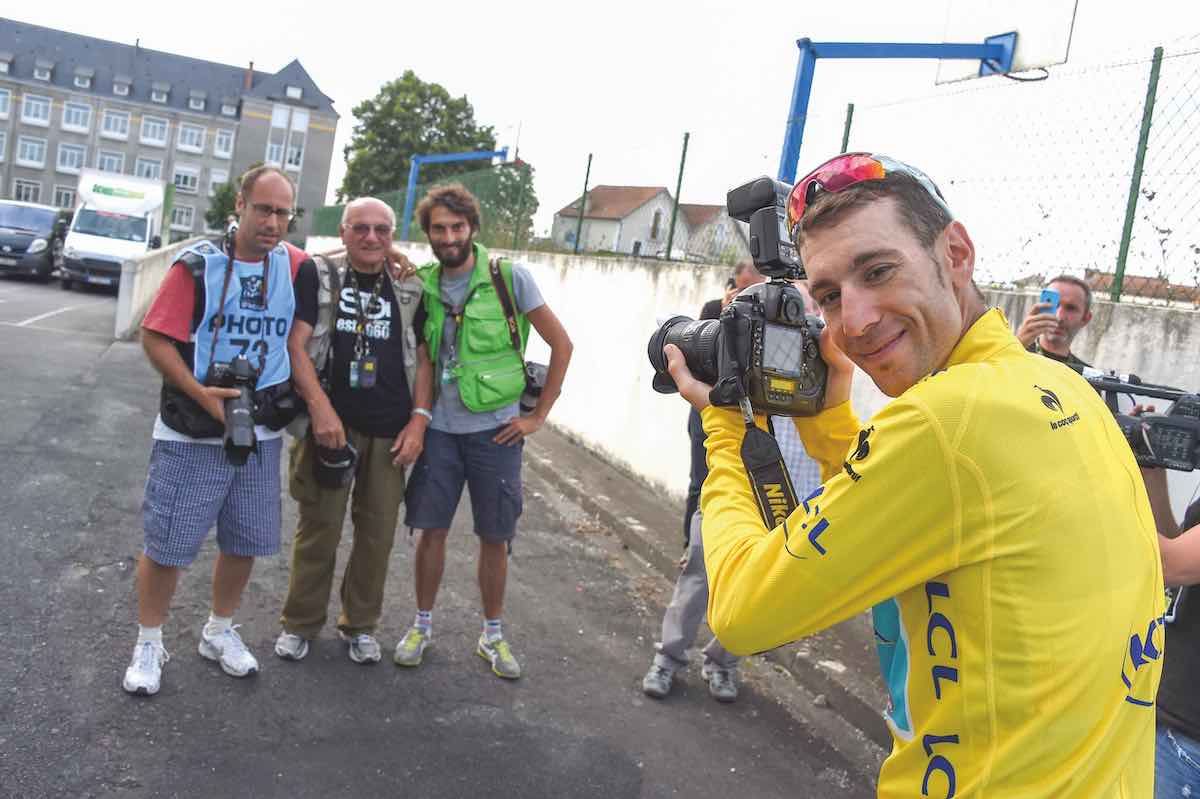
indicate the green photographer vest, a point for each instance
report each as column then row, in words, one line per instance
column 489, row 371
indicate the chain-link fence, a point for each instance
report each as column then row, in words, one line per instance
column 506, row 199
column 1093, row 172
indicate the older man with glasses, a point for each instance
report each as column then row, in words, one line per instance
column 365, row 374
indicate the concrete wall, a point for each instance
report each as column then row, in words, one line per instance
column 610, row 307
column 140, row 279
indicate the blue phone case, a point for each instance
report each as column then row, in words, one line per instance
column 1049, row 296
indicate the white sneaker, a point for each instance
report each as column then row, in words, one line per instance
column 291, row 647
column 363, row 647
column 145, row 670
column 228, row 649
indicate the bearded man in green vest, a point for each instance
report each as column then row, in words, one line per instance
column 477, row 434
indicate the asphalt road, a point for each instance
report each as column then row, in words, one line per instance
column 582, row 612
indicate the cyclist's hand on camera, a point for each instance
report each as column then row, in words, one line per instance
column 1139, row 409
column 212, row 400
column 1036, row 323
column 326, row 426
column 841, row 370
column 730, row 293
column 690, row 388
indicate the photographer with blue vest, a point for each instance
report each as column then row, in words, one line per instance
column 476, row 436
column 218, row 304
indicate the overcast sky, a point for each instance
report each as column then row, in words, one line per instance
column 622, row 80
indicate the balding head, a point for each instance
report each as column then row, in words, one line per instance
column 367, row 227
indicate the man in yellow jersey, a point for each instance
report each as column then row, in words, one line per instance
column 991, row 514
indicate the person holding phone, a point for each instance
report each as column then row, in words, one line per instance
column 1063, row 309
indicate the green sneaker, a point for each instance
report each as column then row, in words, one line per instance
column 411, row 647
column 499, row 654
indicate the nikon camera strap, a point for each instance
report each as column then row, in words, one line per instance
column 773, row 489
column 506, row 303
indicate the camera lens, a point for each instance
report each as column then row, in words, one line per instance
column 699, row 342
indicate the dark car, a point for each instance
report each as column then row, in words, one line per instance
column 31, row 237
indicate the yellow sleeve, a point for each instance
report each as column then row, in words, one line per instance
column 828, row 435
column 884, row 525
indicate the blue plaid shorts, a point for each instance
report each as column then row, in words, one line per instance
column 191, row 487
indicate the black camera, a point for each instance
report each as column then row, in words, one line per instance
column 764, row 346
column 1168, row 440
column 239, row 436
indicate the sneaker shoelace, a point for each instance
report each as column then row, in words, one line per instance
column 500, row 647
column 234, row 645
column 150, row 654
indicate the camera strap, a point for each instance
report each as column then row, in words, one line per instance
column 506, row 303
column 773, row 489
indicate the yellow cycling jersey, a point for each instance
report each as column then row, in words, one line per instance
column 995, row 520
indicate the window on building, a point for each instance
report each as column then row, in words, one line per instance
column 77, row 117
column 41, row 73
column 148, row 168
column 656, row 224
column 182, row 217
column 223, row 144
column 295, row 156
column 110, row 162
column 3, row 67
column 279, row 116
column 121, row 89
column 83, row 82
column 215, row 178
column 294, row 92
column 64, row 196
column 196, row 103
column 35, row 110
column 158, row 96
column 154, row 131
column 5, row 103
column 115, row 125
column 274, row 153
column 27, row 191
column 299, row 119
column 31, row 152
column 191, row 138
column 229, row 110
column 3, row 144
column 187, row 179
column 71, row 158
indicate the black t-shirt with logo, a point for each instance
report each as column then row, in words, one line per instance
column 1178, row 700
column 384, row 410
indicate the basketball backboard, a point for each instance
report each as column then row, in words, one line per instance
column 1043, row 29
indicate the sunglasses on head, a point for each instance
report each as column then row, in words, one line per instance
column 843, row 172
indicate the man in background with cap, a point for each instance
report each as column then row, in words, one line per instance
column 367, row 423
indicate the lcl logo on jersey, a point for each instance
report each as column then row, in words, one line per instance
column 253, row 298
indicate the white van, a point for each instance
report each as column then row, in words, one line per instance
column 117, row 217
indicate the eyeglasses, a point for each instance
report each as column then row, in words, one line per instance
column 263, row 210
column 845, row 171
column 361, row 230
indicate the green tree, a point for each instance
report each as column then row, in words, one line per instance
column 221, row 206
column 409, row 117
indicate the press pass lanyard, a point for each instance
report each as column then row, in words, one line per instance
column 364, row 367
column 455, row 312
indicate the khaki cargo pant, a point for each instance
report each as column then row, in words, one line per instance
column 378, row 491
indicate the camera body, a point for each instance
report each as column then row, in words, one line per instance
column 764, row 346
column 1168, row 440
column 764, row 338
column 239, row 438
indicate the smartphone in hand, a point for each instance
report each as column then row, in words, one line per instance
column 1049, row 297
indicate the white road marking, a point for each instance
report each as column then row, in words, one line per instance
column 46, row 315
column 57, row 330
